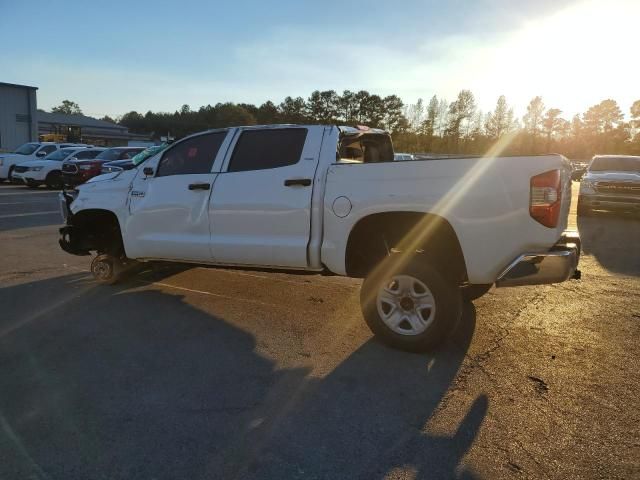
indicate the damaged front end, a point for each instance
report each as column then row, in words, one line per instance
column 73, row 238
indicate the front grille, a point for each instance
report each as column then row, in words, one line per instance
column 617, row 199
column 619, row 188
column 69, row 168
column 19, row 169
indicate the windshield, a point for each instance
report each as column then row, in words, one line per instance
column 60, row 155
column 616, row 164
column 111, row 154
column 27, row 148
column 148, row 153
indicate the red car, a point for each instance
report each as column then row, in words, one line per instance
column 75, row 172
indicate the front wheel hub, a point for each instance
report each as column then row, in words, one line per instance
column 406, row 305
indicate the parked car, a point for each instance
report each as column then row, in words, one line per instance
column 612, row 182
column 26, row 152
column 75, row 172
column 46, row 171
column 277, row 197
column 400, row 157
column 119, row 165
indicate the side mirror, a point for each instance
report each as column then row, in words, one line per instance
column 41, row 154
column 148, row 171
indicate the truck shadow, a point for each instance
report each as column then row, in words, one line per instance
column 103, row 382
column 614, row 240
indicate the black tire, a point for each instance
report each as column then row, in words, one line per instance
column 473, row 292
column 54, row 180
column 446, row 298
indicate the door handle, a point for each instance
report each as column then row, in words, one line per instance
column 303, row 182
column 200, row 186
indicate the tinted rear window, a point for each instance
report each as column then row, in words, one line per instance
column 261, row 149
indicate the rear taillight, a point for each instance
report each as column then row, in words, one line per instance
column 545, row 199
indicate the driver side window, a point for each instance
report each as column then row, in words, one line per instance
column 194, row 155
column 47, row 149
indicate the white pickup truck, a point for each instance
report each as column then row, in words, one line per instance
column 424, row 234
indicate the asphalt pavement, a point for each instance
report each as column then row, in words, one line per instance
column 201, row 373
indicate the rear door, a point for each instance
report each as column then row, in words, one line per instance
column 168, row 205
column 261, row 205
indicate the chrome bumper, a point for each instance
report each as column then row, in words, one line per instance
column 555, row 266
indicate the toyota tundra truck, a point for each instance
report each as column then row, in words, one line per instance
column 611, row 182
column 425, row 235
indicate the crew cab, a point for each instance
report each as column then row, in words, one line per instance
column 24, row 153
column 612, row 182
column 425, row 235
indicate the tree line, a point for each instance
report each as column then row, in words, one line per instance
column 436, row 126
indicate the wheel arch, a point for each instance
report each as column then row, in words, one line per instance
column 94, row 229
column 376, row 235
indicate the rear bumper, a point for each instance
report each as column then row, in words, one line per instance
column 557, row 265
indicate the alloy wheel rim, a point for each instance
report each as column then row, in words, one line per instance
column 406, row 305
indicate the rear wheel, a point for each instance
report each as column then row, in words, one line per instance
column 411, row 308
column 54, row 180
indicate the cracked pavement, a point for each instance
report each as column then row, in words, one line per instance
column 189, row 372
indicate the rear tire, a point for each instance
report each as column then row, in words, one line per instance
column 411, row 308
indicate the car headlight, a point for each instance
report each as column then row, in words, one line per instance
column 85, row 167
column 35, row 169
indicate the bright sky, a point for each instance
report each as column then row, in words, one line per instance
column 113, row 57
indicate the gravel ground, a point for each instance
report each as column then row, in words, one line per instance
column 197, row 373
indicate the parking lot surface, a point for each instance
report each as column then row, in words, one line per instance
column 196, row 373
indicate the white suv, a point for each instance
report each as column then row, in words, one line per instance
column 48, row 171
column 26, row 152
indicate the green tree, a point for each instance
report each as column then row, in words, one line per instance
column 461, row 111
column 267, row 113
column 293, row 110
column 553, row 124
column 603, row 117
column 68, row 108
column 500, row 121
column 533, row 120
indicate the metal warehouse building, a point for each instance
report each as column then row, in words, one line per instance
column 18, row 121
column 79, row 128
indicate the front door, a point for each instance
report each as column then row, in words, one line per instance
column 261, row 204
column 168, row 205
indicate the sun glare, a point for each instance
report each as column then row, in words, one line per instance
column 573, row 58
